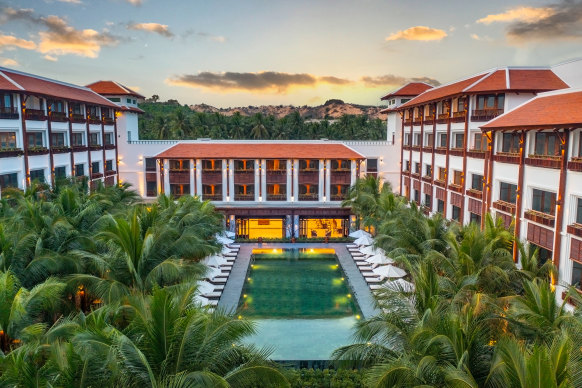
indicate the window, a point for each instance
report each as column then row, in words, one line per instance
column 442, row 173
column 460, row 104
column 151, row 188
column 58, row 106
column 134, row 102
column 406, row 165
column 244, row 165
column 429, row 140
column 407, row 139
column 308, row 164
column 34, row 139
column 79, row 169
column 179, row 164
column 456, row 213
column 94, row 139
column 114, row 99
column 457, row 177
column 507, row 192
column 477, row 182
column 416, row 168
column 58, row 139
column 547, row 144
column 459, row 140
column 416, row 139
column 416, row 196
column 37, row 175
column 108, row 139
column 372, row 165
column 77, row 139
column 60, row 172
column 281, row 164
column 443, row 140
column 6, row 101
column 428, row 170
column 95, row 167
column 404, row 100
column 428, row 201
column 150, row 164
column 544, row 201
column 76, row 108
column 8, row 180
column 109, row 165
column 480, row 142
column 212, row 165
column 490, row 101
column 510, row 143
column 579, row 211
column 128, row 100
column 7, row 140
column 93, row 111
column 440, row 206
column 475, row 218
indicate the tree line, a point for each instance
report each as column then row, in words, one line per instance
column 170, row 120
column 474, row 319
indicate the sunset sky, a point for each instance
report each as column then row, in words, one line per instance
column 251, row 52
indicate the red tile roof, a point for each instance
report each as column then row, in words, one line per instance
column 260, row 150
column 32, row 84
column 501, row 80
column 131, row 109
column 410, row 89
column 545, row 111
column 112, row 88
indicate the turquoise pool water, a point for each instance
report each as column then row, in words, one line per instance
column 302, row 303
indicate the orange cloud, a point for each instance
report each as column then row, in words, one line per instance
column 521, row 14
column 9, row 41
column 422, row 33
column 157, row 28
column 9, row 62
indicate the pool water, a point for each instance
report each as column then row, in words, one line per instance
column 301, row 301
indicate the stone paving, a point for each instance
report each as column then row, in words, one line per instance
column 233, row 289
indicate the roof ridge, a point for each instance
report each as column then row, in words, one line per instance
column 481, row 79
column 11, row 80
column 122, row 87
column 507, row 79
column 3, row 69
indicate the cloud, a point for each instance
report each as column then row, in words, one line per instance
column 523, row 14
column 394, row 80
column 157, row 28
column 480, row 38
column 559, row 21
column 9, row 62
column 205, row 35
column 71, row 1
column 253, row 82
column 270, row 81
column 422, row 33
column 9, row 42
column 51, row 58
column 135, row 2
column 60, row 38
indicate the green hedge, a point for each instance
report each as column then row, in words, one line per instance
column 327, row 378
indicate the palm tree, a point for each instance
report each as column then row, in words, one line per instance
column 259, row 130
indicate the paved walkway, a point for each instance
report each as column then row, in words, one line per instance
column 233, row 289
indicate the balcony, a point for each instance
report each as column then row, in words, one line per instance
column 60, row 149
column 94, row 120
column 476, row 153
column 540, row 218
column 504, row 206
column 179, row 177
column 212, row 197
column 456, row 188
column 507, row 157
column 96, row 175
column 59, row 116
column 78, row 118
column 485, row 114
column 277, row 171
column 417, row 120
column 95, row 147
column 35, row 114
column 79, row 147
column 458, row 117
column 427, row 179
column 244, row 197
column 547, row 161
column 276, row 197
column 575, row 229
column 338, row 197
column 456, row 151
column 308, row 197
column 38, row 150
column 10, row 152
column 440, row 182
column 108, row 121
column 478, row 194
column 407, row 121
column 113, row 172
column 405, row 147
column 9, row 113
column 440, row 150
column 443, row 118
column 429, row 119
column 109, row 146
column 427, row 149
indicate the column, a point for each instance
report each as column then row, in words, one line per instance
column 198, row 177
column 321, row 181
column 257, row 179
column 328, row 179
column 289, row 181
column 166, row 176
column 296, row 180
column 264, row 179
column 224, row 178
column 192, row 178
column 353, row 177
column 231, row 179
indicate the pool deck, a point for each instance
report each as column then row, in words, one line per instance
column 231, row 294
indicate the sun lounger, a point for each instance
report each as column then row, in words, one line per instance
column 212, row 295
column 351, row 246
column 362, row 263
column 372, row 280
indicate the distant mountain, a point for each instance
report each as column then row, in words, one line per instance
column 331, row 110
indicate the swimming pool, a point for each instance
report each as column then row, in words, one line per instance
column 301, row 300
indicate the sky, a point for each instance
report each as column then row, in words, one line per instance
column 301, row 52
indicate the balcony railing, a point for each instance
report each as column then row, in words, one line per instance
column 276, row 197
column 35, row 114
column 77, row 118
column 456, row 151
column 244, row 170
column 442, row 118
column 308, row 197
column 549, row 161
column 575, row 164
column 440, row 182
column 540, row 218
column 244, row 197
column 507, row 157
column 504, row 206
column 575, row 229
column 212, row 197
column 276, row 171
column 417, row 121
column 9, row 112
column 60, row 149
column 339, row 197
column 440, row 150
column 38, row 150
column 407, row 121
column 212, row 170
column 476, row 153
column 459, row 117
column 428, row 119
column 108, row 121
column 455, row 187
column 485, row 114
column 475, row 193
column 59, row 116
column 10, row 152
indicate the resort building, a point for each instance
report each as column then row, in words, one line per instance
column 506, row 141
